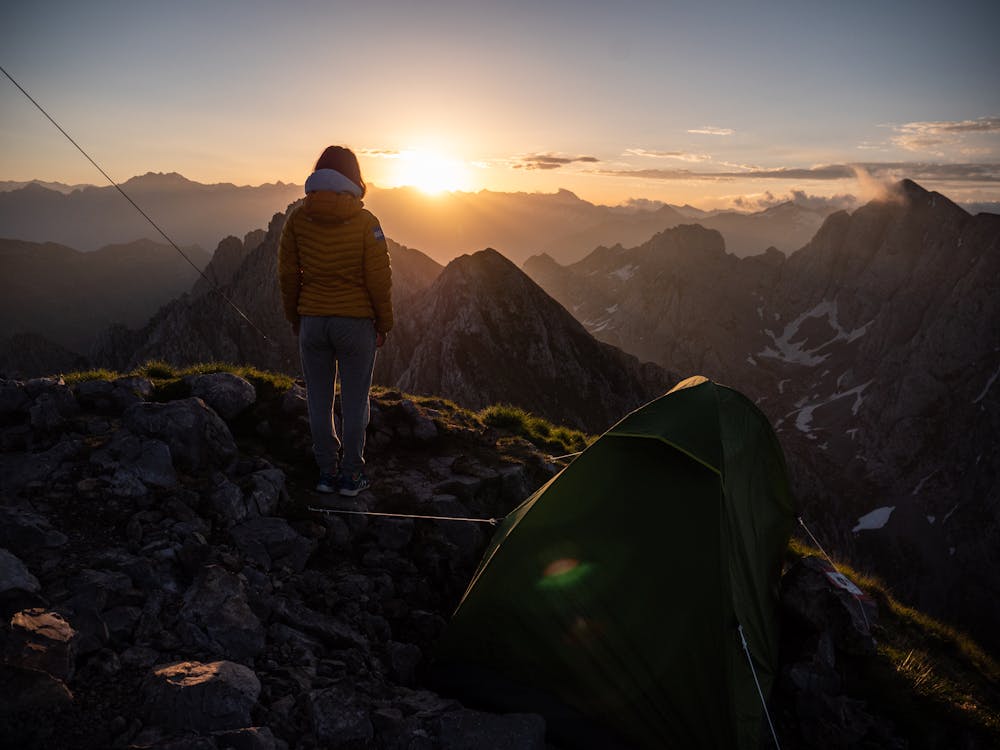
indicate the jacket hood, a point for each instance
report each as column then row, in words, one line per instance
column 328, row 207
column 331, row 179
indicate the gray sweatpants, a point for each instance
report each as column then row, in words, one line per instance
column 324, row 343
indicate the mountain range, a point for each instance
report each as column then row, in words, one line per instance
column 519, row 225
column 91, row 217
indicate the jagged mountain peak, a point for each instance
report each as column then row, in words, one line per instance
column 485, row 259
column 910, row 195
column 484, row 332
column 488, row 272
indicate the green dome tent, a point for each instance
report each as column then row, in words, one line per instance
column 613, row 601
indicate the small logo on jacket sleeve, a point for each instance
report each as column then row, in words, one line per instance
column 378, row 233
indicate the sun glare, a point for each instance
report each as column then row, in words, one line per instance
column 430, row 173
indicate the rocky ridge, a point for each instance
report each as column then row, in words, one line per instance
column 163, row 584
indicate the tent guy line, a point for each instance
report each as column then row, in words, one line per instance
column 834, row 565
column 490, row 521
column 215, row 286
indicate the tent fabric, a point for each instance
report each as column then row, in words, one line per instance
column 609, row 600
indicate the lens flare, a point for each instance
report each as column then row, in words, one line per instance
column 564, row 572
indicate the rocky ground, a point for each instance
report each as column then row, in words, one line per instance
column 163, row 583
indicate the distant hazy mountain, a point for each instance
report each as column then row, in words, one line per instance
column 787, row 227
column 567, row 228
column 59, row 187
column 190, row 213
column 875, row 350
column 484, row 333
column 519, row 225
column 68, row 296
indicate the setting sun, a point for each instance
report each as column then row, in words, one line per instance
column 430, row 172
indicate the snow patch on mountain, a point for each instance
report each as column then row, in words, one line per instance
column 803, row 421
column 626, row 272
column 874, row 520
column 788, row 349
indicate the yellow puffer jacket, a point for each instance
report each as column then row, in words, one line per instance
column 333, row 260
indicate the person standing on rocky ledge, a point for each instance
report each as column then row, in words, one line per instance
column 336, row 289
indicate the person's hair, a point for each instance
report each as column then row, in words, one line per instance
column 344, row 161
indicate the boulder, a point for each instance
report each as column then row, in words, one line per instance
column 422, row 427
column 29, row 700
column 52, row 404
column 23, row 531
column 226, row 500
column 266, row 489
column 41, row 640
column 144, row 459
column 201, row 696
column 98, row 589
column 47, row 466
column 111, row 397
column 272, row 542
column 216, row 603
column 14, row 400
column 247, row 738
column 294, row 403
column 15, row 576
column 339, row 718
column 229, row 395
column 822, row 599
column 197, row 436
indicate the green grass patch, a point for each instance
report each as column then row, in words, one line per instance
column 87, row 375
column 538, row 431
column 168, row 380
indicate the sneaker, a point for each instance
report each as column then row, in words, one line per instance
column 353, row 484
column 327, row 483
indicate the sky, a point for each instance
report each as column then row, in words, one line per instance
column 710, row 103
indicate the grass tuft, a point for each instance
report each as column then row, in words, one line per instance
column 536, row 430
column 168, row 380
column 87, row 375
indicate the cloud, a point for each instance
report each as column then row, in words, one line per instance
column 969, row 172
column 680, row 155
column 923, row 136
column 711, row 130
column 550, row 161
column 381, row 153
column 826, row 172
column 817, row 203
